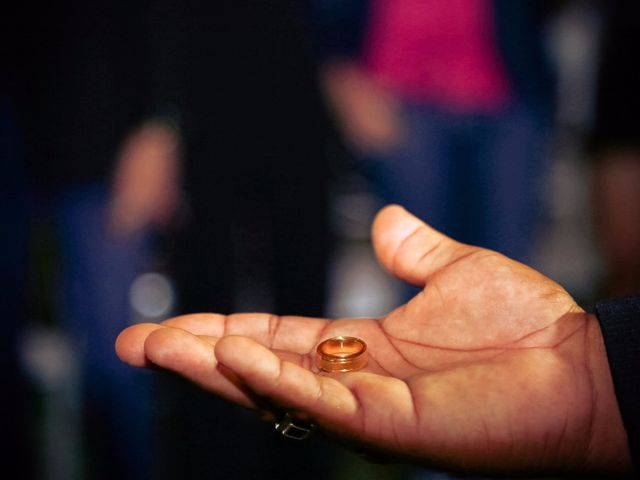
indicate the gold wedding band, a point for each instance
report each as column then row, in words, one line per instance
column 341, row 354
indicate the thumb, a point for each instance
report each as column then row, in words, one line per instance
column 411, row 249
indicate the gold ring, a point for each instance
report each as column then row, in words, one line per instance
column 341, row 354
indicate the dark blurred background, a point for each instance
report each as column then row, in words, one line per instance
column 166, row 157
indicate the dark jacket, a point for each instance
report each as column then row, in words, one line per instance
column 620, row 323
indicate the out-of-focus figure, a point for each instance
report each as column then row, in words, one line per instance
column 616, row 150
column 447, row 105
column 91, row 168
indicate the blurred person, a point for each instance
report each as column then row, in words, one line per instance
column 93, row 160
column 240, row 77
column 447, row 106
column 491, row 369
column 615, row 144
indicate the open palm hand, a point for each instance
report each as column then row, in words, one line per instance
column 491, row 367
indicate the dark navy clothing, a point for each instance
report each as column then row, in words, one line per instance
column 620, row 324
column 476, row 177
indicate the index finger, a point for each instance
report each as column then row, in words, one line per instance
column 289, row 333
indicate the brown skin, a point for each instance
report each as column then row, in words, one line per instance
column 366, row 112
column 492, row 368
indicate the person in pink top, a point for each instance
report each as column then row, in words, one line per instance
column 447, row 106
column 442, row 53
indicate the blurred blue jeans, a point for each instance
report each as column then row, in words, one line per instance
column 476, row 177
column 96, row 272
column 91, row 306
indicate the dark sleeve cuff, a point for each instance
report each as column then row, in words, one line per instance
column 620, row 323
